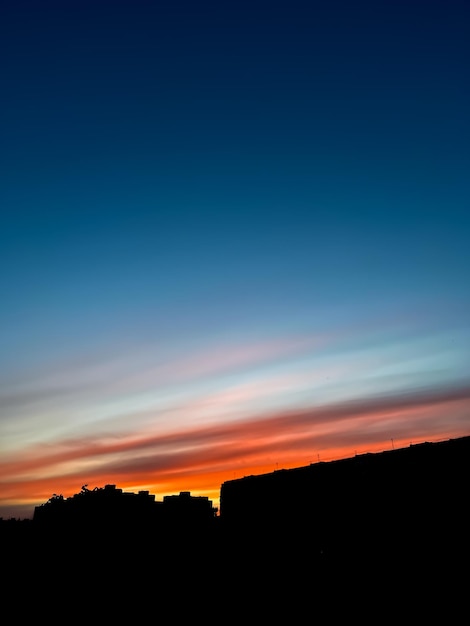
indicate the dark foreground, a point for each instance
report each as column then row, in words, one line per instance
column 377, row 538
column 223, row 576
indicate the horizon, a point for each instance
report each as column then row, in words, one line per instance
column 216, row 504
column 234, row 238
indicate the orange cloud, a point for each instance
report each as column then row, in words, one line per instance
column 199, row 459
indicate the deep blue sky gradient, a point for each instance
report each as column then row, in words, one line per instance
column 240, row 153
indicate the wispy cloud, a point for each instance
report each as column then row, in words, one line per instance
column 191, row 458
column 192, row 418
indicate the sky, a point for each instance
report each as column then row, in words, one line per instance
column 234, row 238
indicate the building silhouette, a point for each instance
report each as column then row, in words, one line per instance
column 397, row 502
column 110, row 507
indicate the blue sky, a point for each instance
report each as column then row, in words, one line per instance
column 216, row 211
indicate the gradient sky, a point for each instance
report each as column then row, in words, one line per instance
column 235, row 237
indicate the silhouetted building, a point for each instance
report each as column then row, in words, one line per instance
column 381, row 504
column 110, row 508
column 188, row 509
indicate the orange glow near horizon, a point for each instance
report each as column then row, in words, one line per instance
column 199, row 460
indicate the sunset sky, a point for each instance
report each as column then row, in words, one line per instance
column 234, row 238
